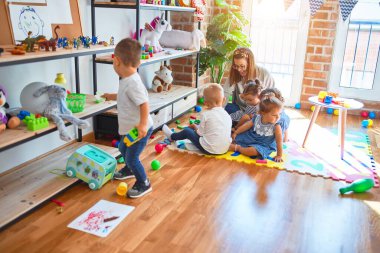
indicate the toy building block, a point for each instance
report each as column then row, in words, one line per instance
column 178, row 121
column 193, row 117
column 131, row 137
column 197, row 121
column 191, row 121
column 180, row 127
column 328, row 100
column 33, row 124
column 322, row 95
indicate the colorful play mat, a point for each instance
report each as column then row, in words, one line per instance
column 320, row 157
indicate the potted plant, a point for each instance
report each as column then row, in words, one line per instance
column 224, row 35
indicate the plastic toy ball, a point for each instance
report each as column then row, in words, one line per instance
column 198, row 108
column 364, row 114
column 330, row 110
column 312, row 108
column 370, row 122
column 336, row 112
column 201, row 101
column 117, row 144
column 365, row 123
column 297, row 106
column 122, row 189
column 155, row 165
column 372, row 115
column 113, row 143
column 159, row 148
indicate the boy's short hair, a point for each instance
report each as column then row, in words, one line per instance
column 129, row 52
column 213, row 93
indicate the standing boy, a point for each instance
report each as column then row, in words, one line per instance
column 133, row 111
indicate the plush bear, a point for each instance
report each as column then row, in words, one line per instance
column 6, row 120
column 163, row 79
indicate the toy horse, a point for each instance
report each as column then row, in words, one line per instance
column 152, row 32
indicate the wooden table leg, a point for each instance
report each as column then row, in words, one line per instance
column 312, row 120
column 343, row 119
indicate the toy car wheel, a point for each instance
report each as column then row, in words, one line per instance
column 93, row 185
column 70, row 172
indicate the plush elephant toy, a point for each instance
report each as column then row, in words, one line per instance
column 57, row 110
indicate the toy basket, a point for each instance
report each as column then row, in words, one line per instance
column 75, row 102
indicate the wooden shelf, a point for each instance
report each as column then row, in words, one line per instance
column 163, row 99
column 7, row 58
column 167, row 54
column 126, row 5
column 13, row 137
column 25, row 187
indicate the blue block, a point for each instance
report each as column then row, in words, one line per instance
column 328, row 100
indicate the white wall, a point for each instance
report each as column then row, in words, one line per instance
column 109, row 22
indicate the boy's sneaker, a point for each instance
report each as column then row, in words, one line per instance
column 167, row 131
column 139, row 189
column 124, row 173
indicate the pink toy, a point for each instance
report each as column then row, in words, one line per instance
column 159, row 148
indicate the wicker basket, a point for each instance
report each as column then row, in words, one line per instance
column 75, row 102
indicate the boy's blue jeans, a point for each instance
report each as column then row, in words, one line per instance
column 190, row 134
column 131, row 156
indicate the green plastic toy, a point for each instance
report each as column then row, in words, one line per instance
column 131, row 137
column 33, row 124
column 155, row 165
column 191, row 121
column 358, row 186
column 75, row 102
column 180, row 127
column 178, row 121
column 201, row 101
column 120, row 160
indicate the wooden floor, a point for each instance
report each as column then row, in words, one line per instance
column 209, row 205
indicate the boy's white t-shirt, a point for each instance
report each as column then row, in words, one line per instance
column 215, row 130
column 131, row 94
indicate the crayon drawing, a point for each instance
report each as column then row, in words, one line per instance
column 102, row 218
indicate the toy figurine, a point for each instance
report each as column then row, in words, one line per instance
column 86, row 43
column 59, row 42
column 94, row 40
column 29, row 42
column 78, row 42
column 75, row 43
column 65, row 42
column 112, row 41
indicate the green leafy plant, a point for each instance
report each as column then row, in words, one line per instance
column 224, row 35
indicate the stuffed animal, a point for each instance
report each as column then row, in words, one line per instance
column 182, row 39
column 163, row 79
column 153, row 34
column 6, row 120
column 57, row 110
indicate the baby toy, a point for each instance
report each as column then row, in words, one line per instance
column 336, row 112
column 155, row 165
column 131, row 137
column 364, row 114
column 297, row 106
column 57, row 110
column 312, row 108
column 153, row 34
column 183, row 39
column 372, row 115
column 163, row 79
column 92, row 165
column 6, row 120
column 358, row 186
column 34, row 123
column 122, row 189
column 159, row 148
column 330, row 110
column 198, row 108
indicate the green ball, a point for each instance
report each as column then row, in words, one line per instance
column 201, row 101
column 155, row 165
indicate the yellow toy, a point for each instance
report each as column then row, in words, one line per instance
column 122, row 189
column 370, row 122
column 312, row 108
column 336, row 112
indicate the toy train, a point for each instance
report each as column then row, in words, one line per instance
column 92, row 165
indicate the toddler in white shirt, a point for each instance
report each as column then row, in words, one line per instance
column 212, row 136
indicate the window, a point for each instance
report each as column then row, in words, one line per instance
column 355, row 71
column 279, row 42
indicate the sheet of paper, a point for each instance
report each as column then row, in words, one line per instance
column 30, row 18
column 101, row 218
column 60, row 12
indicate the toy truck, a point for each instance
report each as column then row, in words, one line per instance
column 92, row 165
